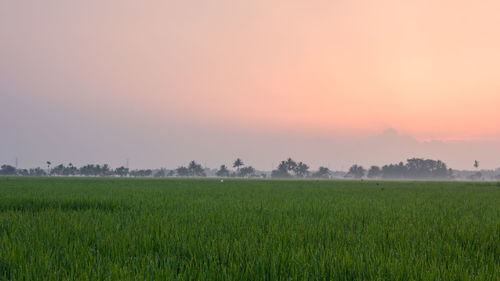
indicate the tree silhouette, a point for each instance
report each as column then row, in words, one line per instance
column 323, row 172
column 22, row 172
column 394, row 171
column 37, row 172
column 237, row 164
column 374, row 172
column 105, row 170
column 247, row 171
column 301, row 170
column 417, row 168
column 182, row 171
column 223, row 171
column 141, row 173
column 7, row 170
column 281, row 171
column 121, row 171
column 195, row 170
column 476, row 164
column 58, row 170
column 161, row 173
column 286, row 167
column 291, row 165
column 70, row 170
column 356, row 172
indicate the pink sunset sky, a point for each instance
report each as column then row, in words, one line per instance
column 327, row 82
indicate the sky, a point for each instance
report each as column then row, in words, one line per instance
column 327, row 82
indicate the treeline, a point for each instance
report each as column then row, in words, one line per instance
column 95, row 170
column 193, row 169
column 414, row 168
column 242, row 171
column 292, row 169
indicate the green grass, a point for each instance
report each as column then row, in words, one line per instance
column 147, row 229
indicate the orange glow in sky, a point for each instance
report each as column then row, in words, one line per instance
column 429, row 69
column 424, row 67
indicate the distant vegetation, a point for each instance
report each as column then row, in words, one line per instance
column 414, row 168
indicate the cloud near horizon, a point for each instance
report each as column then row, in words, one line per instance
column 213, row 147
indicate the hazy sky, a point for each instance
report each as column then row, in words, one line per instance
column 165, row 82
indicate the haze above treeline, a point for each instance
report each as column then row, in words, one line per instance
column 211, row 147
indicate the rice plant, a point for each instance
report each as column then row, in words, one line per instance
column 179, row 229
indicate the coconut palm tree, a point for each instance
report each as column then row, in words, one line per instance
column 237, row 164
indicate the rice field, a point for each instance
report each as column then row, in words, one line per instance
column 202, row 229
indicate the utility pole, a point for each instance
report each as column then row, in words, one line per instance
column 16, row 163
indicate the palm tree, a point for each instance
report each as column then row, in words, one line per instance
column 237, row 164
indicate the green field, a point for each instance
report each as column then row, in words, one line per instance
column 175, row 229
